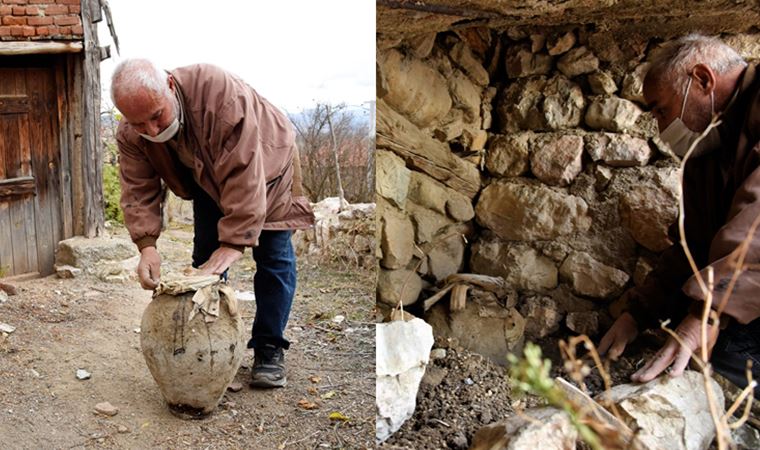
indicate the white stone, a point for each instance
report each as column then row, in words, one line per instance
column 556, row 159
column 671, row 412
column 543, row 428
column 392, row 179
column 89, row 254
column 618, row 150
column 6, row 328
column 395, row 285
column 402, row 353
column 591, row 278
column 612, row 114
column 66, row 271
column 633, row 84
column 83, row 374
column 517, row 211
column 106, row 408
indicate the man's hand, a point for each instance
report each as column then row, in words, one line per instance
column 674, row 353
column 220, row 261
column 621, row 333
column 149, row 268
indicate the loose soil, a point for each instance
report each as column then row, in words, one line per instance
column 65, row 325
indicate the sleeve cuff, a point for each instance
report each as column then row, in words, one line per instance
column 146, row 241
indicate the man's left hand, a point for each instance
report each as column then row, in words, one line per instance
column 675, row 354
column 220, row 261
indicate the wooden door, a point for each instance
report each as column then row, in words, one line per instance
column 30, row 216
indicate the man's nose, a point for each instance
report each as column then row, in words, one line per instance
column 152, row 129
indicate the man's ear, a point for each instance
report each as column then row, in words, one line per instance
column 704, row 77
column 170, row 80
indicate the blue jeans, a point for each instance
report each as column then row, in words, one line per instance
column 735, row 345
column 274, row 282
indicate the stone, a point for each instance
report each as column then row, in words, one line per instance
column 421, row 45
column 602, row 83
column 402, row 353
column 519, row 106
column 122, row 429
column 8, row 289
column 235, row 386
column 463, row 57
column 396, row 239
column 394, row 285
column 427, row 192
column 107, row 409
column 537, row 42
column 446, row 258
column 578, row 61
column 490, row 329
column 633, row 84
column 427, row 223
column 6, row 328
column 542, row 316
column 557, row 161
column 521, row 266
column 414, row 89
column 466, row 96
column 612, row 114
column 450, row 127
column 563, row 104
column 392, row 177
column 603, row 175
column 83, row 374
column 459, row 207
column 560, row 44
column 591, row 278
column 647, row 210
column 521, row 62
column 583, row 322
column 545, row 428
column 67, row 272
column 438, row 353
column 3, row 296
column 640, row 273
column 669, row 412
column 605, row 45
column 618, row 150
column 508, row 156
column 89, row 254
column 474, row 139
column 522, row 211
column 118, row 271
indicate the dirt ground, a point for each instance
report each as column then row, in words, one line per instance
column 65, row 325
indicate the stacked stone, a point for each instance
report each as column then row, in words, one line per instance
column 533, row 146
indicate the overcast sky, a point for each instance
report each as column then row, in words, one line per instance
column 293, row 52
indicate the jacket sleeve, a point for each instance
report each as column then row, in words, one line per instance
column 239, row 167
column 140, row 195
column 737, row 236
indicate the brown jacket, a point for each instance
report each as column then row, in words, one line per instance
column 721, row 200
column 245, row 158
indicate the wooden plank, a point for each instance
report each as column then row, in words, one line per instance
column 20, row 186
column 6, row 251
column 64, row 173
column 38, row 48
column 458, row 299
column 17, row 151
column 16, row 104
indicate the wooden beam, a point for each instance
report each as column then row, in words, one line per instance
column 36, row 48
column 17, row 186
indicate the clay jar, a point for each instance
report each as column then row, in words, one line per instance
column 192, row 360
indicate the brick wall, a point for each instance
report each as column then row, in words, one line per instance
column 27, row 20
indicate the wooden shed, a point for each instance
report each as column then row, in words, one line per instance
column 50, row 150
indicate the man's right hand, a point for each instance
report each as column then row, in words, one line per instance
column 149, row 268
column 621, row 333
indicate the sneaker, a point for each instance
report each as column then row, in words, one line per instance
column 268, row 367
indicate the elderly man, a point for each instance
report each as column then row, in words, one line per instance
column 692, row 81
column 212, row 139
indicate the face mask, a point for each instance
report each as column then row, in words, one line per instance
column 680, row 137
column 168, row 133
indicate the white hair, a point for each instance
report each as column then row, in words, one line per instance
column 132, row 74
column 673, row 61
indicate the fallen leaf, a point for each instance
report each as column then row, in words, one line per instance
column 315, row 379
column 328, row 395
column 338, row 416
column 312, row 390
column 305, row 404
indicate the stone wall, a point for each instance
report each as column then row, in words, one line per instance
column 524, row 154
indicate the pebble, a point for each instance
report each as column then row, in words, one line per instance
column 35, row 373
column 245, row 296
column 83, row 374
column 339, row 319
column 438, row 353
column 5, row 328
column 8, row 289
column 3, row 296
column 106, row 408
column 136, row 330
column 468, row 381
column 235, row 386
column 122, row 429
